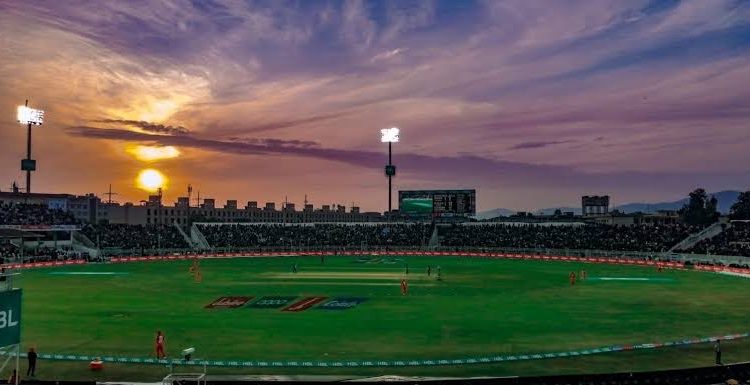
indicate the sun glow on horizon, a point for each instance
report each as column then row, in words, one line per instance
column 151, row 180
column 152, row 153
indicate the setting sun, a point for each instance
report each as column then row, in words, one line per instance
column 151, row 180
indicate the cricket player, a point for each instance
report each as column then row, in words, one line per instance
column 404, row 287
column 195, row 270
column 160, row 345
column 572, row 278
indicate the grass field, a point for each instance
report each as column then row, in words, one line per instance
column 480, row 307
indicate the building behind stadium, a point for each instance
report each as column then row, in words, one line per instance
column 91, row 209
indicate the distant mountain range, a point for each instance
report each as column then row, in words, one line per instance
column 726, row 200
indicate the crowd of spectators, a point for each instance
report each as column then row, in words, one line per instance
column 735, row 240
column 233, row 235
column 647, row 238
column 135, row 237
column 8, row 251
column 33, row 214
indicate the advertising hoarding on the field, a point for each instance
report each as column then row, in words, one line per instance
column 10, row 317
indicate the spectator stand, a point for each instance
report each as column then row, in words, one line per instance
column 12, row 240
column 733, row 240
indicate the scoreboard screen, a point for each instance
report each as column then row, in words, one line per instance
column 416, row 206
column 445, row 203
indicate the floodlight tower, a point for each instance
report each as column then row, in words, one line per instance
column 390, row 136
column 30, row 117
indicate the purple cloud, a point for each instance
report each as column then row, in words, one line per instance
column 472, row 85
column 538, row 144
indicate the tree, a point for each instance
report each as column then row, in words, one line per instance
column 558, row 213
column 741, row 208
column 700, row 209
column 712, row 211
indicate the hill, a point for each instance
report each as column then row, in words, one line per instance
column 726, row 200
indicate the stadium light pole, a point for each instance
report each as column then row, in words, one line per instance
column 390, row 136
column 29, row 117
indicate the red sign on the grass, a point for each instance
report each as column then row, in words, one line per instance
column 229, row 302
column 304, row 304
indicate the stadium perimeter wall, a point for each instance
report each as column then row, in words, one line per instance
column 674, row 262
column 709, row 259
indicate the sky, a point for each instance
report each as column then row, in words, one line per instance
column 532, row 103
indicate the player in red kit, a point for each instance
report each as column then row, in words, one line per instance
column 160, row 345
column 404, row 287
column 572, row 278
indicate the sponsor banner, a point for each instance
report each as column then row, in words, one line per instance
column 10, row 317
column 228, row 302
column 271, row 302
column 342, row 303
column 304, row 304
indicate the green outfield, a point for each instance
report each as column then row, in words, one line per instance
column 480, row 307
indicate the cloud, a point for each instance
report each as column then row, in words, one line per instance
column 538, row 144
column 271, row 142
column 357, row 28
column 458, row 169
column 657, row 79
column 429, row 166
column 290, row 123
column 149, row 127
column 387, row 54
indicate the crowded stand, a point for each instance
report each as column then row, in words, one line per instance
column 232, row 235
column 33, row 214
column 652, row 238
column 135, row 237
column 735, row 240
column 8, row 252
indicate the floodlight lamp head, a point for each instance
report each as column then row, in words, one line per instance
column 26, row 115
column 389, row 135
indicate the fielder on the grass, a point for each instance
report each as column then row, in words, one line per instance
column 160, row 345
column 404, row 287
column 572, row 278
column 195, row 270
